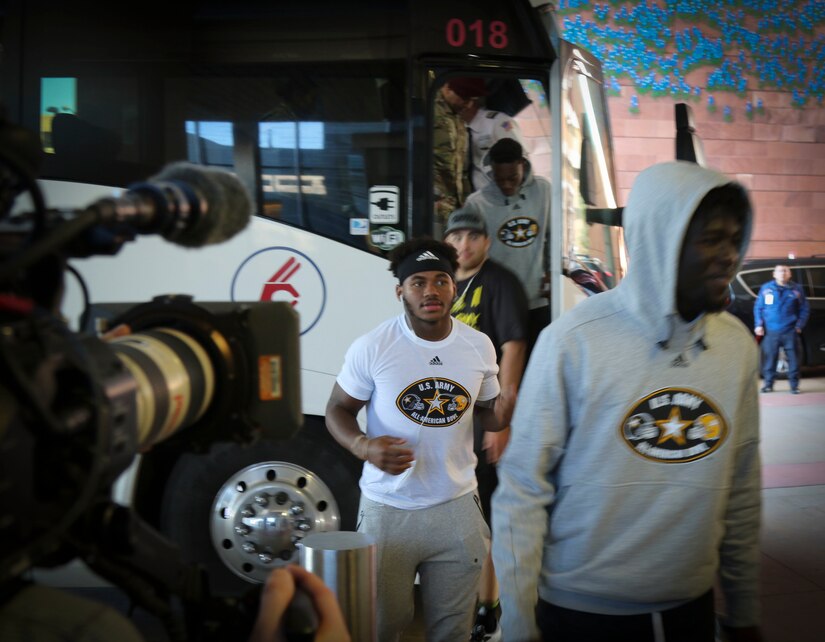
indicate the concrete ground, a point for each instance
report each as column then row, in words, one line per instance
column 793, row 535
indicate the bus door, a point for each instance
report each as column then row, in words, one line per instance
column 514, row 103
column 560, row 119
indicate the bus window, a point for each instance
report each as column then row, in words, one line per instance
column 89, row 129
column 320, row 142
column 311, row 146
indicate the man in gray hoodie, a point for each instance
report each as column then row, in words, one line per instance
column 516, row 207
column 632, row 479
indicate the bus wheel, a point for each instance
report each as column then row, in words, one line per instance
column 240, row 510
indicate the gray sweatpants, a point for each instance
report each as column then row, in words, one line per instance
column 445, row 545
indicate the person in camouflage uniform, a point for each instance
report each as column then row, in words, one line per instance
column 450, row 142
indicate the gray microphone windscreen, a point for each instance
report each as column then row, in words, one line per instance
column 228, row 205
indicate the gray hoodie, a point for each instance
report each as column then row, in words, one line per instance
column 632, row 475
column 519, row 226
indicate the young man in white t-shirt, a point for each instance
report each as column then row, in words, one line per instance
column 421, row 376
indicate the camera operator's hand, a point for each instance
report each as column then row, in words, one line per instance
column 278, row 593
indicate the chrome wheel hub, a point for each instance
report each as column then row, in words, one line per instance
column 262, row 512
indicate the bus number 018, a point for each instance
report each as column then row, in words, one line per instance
column 496, row 33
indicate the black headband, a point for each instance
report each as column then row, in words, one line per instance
column 426, row 261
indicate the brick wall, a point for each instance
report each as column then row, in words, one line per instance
column 779, row 155
column 778, row 151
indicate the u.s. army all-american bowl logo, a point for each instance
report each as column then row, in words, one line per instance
column 434, row 402
column 519, row 231
column 674, row 425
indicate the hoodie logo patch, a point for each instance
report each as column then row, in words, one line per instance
column 434, row 402
column 673, row 426
column 520, row 231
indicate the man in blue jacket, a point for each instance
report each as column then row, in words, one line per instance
column 779, row 314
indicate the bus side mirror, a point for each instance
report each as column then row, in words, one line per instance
column 604, row 215
column 688, row 144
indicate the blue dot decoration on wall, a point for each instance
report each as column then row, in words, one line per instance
column 737, row 47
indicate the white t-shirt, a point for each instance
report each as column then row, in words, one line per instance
column 425, row 392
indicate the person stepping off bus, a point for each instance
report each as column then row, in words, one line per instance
column 422, row 377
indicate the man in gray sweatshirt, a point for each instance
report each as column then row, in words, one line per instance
column 516, row 208
column 632, row 478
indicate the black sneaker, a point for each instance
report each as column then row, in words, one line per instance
column 794, row 391
column 767, row 389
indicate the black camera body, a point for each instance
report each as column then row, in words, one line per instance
column 77, row 408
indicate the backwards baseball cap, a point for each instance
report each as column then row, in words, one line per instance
column 425, row 261
column 465, row 220
column 468, row 87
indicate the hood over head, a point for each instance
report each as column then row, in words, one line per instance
column 659, row 210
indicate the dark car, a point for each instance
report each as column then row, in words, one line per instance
column 810, row 274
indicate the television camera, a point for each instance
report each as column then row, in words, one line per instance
column 77, row 408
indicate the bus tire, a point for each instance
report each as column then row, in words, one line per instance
column 304, row 484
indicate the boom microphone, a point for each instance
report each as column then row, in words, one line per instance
column 187, row 204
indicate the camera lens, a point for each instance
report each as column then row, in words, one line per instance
column 175, row 380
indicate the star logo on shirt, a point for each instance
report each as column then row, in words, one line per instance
column 436, row 403
column 673, row 427
column 519, row 231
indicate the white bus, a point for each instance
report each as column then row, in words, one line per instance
column 324, row 110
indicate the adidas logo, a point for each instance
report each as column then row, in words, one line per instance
column 679, row 362
column 435, row 361
column 427, row 256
